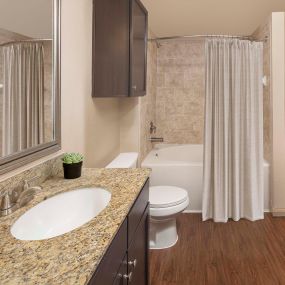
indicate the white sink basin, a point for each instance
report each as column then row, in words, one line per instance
column 61, row 214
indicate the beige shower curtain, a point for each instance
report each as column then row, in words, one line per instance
column 233, row 146
column 23, row 96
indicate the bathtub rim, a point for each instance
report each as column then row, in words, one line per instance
column 149, row 160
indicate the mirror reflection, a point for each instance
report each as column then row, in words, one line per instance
column 26, row 75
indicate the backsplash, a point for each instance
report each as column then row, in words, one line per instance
column 44, row 170
column 180, row 91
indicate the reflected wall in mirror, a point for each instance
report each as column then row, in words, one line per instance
column 29, row 77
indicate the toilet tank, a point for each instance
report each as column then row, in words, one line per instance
column 124, row 160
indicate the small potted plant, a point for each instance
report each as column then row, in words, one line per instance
column 72, row 165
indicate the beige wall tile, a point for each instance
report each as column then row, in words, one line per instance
column 180, row 92
column 262, row 32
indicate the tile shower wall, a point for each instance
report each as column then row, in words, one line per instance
column 260, row 34
column 48, row 100
column 180, row 91
column 1, row 101
column 148, row 102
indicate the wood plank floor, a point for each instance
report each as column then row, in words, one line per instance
column 235, row 253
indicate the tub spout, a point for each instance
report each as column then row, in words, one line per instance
column 157, row 140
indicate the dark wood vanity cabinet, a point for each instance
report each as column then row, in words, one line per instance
column 120, row 278
column 126, row 260
column 138, row 253
column 119, row 48
column 138, row 50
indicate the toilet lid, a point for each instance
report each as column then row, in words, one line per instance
column 166, row 196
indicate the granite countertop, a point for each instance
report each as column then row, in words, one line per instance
column 71, row 258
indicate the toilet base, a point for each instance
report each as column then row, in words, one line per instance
column 162, row 233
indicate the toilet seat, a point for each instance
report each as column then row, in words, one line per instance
column 166, row 196
column 167, row 212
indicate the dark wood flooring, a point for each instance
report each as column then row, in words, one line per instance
column 235, row 253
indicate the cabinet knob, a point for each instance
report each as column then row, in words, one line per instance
column 128, row 277
column 133, row 263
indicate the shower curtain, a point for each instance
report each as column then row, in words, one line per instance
column 23, row 97
column 233, row 143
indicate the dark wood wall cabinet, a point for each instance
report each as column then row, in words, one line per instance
column 119, row 61
column 126, row 260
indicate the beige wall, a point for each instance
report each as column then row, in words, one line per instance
column 129, row 124
column 181, row 91
column 90, row 126
column 278, row 103
column 32, row 18
column 137, row 113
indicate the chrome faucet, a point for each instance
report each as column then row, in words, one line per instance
column 11, row 200
column 152, row 128
column 156, row 140
column 8, row 203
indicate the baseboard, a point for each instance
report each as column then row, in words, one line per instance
column 200, row 211
column 192, row 211
column 278, row 212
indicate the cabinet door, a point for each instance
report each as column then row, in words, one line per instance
column 138, row 49
column 138, row 253
column 111, row 60
column 111, row 262
column 136, row 212
column 121, row 278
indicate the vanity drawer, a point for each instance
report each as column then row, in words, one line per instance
column 109, row 266
column 137, row 210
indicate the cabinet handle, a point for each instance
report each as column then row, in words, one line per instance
column 128, row 277
column 135, row 87
column 119, row 276
column 133, row 263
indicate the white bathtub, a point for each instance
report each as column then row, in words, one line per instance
column 182, row 166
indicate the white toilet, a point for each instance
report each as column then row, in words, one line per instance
column 166, row 202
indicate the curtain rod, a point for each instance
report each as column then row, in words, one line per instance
column 204, row 36
column 25, row 41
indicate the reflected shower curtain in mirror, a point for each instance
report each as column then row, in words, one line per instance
column 233, row 143
column 23, row 97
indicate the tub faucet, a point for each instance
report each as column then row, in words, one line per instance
column 152, row 128
column 11, row 200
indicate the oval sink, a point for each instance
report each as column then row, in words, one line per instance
column 61, row 214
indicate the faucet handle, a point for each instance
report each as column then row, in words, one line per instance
column 152, row 128
column 28, row 181
column 6, row 201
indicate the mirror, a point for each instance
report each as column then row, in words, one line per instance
column 29, row 80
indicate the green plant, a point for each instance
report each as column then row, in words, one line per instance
column 71, row 158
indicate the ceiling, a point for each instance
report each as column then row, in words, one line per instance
column 32, row 18
column 192, row 17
